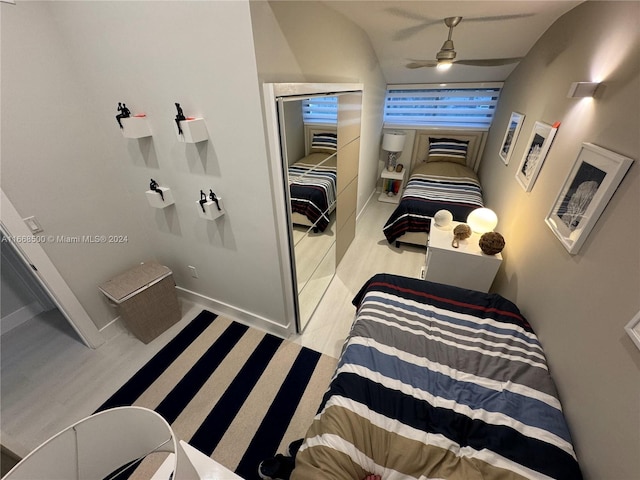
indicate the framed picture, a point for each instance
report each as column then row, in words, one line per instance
column 633, row 329
column 533, row 158
column 510, row 136
column 590, row 185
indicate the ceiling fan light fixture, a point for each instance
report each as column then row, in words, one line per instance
column 446, row 53
column 447, row 46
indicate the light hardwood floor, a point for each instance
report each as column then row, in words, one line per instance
column 368, row 254
column 50, row 380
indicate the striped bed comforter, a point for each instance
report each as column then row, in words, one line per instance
column 434, row 186
column 312, row 189
column 438, row 382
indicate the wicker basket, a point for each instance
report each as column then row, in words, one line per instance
column 146, row 299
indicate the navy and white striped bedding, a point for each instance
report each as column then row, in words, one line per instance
column 313, row 191
column 438, row 382
column 424, row 196
column 432, row 187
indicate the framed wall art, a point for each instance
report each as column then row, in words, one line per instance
column 510, row 136
column 633, row 329
column 535, row 153
column 593, row 179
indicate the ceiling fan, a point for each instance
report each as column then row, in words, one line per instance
column 426, row 22
column 447, row 54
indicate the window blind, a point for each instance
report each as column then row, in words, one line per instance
column 320, row 110
column 448, row 105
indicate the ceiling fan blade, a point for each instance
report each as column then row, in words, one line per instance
column 399, row 12
column 489, row 62
column 409, row 31
column 422, row 63
column 498, row 17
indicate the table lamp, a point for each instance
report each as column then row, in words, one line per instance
column 482, row 220
column 393, row 142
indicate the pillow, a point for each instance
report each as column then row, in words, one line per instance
column 447, row 150
column 324, row 142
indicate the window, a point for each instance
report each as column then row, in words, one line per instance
column 320, row 110
column 461, row 105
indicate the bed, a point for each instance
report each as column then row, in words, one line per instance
column 437, row 381
column 312, row 183
column 443, row 178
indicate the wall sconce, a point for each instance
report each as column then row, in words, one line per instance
column 582, row 89
column 482, row 220
column 393, row 142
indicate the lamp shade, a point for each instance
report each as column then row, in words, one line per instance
column 393, row 141
column 482, row 220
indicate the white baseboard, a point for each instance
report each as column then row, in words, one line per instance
column 373, row 194
column 112, row 328
column 241, row 316
column 11, row 321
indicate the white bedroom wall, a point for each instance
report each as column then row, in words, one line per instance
column 65, row 161
column 579, row 304
column 331, row 49
column 20, row 297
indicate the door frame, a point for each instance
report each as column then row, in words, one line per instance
column 47, row 275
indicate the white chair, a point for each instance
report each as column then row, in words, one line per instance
column 102, row 443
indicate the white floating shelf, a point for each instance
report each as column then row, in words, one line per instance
column 194, row 130
column 135, row 127
column 155, row 200
column 211, row 211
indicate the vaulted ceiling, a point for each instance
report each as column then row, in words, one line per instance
column 406, row 31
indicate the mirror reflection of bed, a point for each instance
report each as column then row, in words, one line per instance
column 312, row 155
column 312, row 180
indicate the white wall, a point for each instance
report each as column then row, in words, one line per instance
column 331, row 49
column 14, row 293
column 66, row 65
column 579, row 304
column 21, row 298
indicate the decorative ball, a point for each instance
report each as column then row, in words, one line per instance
column 443, row 218
column 462, row 231
column 491, row 243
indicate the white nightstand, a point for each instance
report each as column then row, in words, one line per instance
column 466, row 266
column 394, row 181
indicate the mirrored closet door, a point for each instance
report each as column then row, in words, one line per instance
column 319, row 168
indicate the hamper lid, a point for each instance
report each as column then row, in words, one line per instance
column 132, row 281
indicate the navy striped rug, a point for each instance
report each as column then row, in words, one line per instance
column 235, row 393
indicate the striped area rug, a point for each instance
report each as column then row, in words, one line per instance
column 233, row 392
